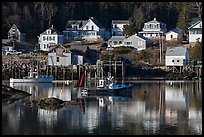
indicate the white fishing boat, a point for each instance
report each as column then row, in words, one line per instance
column 33, row 77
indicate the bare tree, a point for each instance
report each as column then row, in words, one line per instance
column 40, row 8
column 50, row 11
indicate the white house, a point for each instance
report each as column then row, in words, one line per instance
column 48, row 38
column 58, row 55
column 116, row 41
column 90, row 29
column 176, row 56
column 174, row 34
column 137, row 41
column 195, row 32
column 118, row 27
column 15, row 35
column 153, row 29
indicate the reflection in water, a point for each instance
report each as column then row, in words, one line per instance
column 172, row 107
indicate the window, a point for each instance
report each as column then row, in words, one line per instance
column 120, row 42
column 115, row 25
column 172, row 60
column 44, row 46
column 44, row 38
column 115, row 42
column 129, row 43
column 177, row 60
column 53, row 38
column 87, row 27
column 92, row 27
column 171, row 36
column 57, row 59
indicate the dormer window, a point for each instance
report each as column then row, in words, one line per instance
column 48, row 31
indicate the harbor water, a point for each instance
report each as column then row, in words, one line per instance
column 151, row 108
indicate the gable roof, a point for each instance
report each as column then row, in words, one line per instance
column 195, row 24
column 97, row 23
column 79, row 48
column 53, row 31
column 14, row 27
column 154, row 21
column 53, row 47
column 117, row 38
column 176, row 30
column 176, row 51
column 75, row 22
column 142, row 37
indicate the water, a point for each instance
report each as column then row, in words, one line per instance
column 163, row 108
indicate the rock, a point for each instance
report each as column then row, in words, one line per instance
column 10, row 95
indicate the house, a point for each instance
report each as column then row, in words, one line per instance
column 58, row 55
column 118, row 27
column 153, row 29
column 174, row 34
column 176, row 57
column 195, row 32
column 6, row 47
column 90, row 30
column 48, row 38
column 137, row 41
column 15, row 35
column 116, row 41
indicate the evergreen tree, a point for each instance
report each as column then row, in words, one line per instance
column 183, row 19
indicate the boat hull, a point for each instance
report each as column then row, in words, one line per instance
column 37, row 80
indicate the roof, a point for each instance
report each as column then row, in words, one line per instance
column 75, row 22
column 14, row 27
column 154, row 21
column 142, row 37
column 176, row 51
column 176, row 30
column 55, row 46
column 194, row 20
column 97, row 23
column 53, row 31
column 80, row 48
column 117, row 38
column 120, row 21
column 195, row 24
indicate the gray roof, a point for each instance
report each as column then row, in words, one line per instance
column 117, row 38
column 120, row 21
column 176, row 30
column 53, row 31
column 81, row 23
column 142, row 37
column 176, row 51
column 14, row 27
column 154, row 21
column 97, row 23
column 75, row 22
column 195, row 24
column 79, row 48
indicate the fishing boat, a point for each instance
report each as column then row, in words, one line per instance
column 33, row 77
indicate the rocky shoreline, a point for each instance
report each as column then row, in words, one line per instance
column 10, row 95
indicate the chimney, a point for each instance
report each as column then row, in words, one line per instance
column 154, row 18
column 91, row 17
column 51, row 26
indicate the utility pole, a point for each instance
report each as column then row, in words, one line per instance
column 160, row 49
